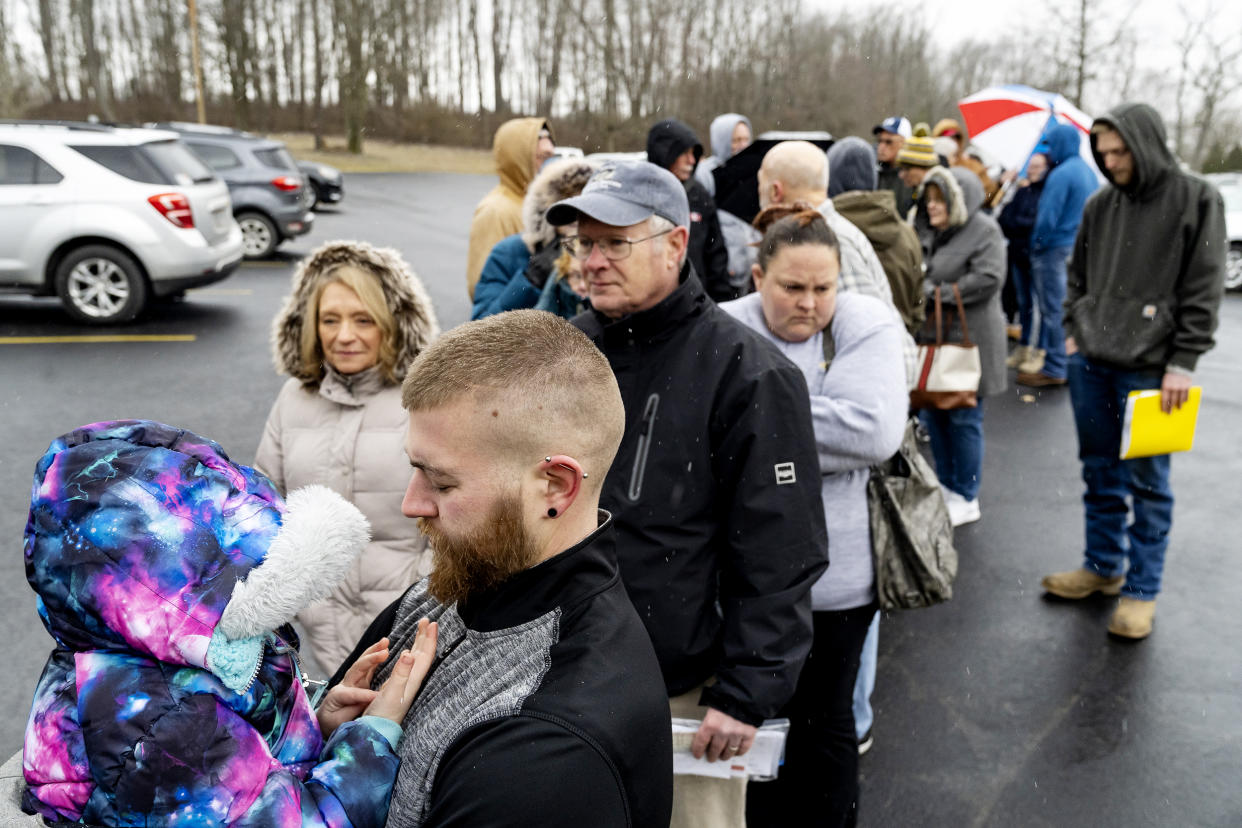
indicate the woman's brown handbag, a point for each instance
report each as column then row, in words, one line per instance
column 948, row 372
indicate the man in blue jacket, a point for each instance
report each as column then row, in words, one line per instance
column 1067, row 187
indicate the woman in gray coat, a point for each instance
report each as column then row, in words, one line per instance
column 965, row 247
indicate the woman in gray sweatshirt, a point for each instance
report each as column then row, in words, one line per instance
column 859, row 400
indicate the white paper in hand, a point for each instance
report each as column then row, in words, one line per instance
column 760, row 763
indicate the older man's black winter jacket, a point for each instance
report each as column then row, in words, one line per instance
column 716, row 497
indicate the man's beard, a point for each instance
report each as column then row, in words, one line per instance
column 465, row 565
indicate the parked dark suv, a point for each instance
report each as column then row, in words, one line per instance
column 271, row 200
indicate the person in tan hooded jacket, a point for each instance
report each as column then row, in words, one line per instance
column 520, row 147
column 355, row 319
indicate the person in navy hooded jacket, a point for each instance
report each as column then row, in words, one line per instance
column 1068, row 185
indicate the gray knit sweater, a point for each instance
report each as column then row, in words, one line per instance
column 859, row 410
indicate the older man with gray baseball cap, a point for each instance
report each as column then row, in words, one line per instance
column 715, row 490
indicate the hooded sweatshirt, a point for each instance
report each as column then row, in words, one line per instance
column 707, row 254
column 852, row 183
column 166, row 575
column 1148, row 267
column 721, row 135
column 348, row 433
column 1067, row 186
column 499, row 214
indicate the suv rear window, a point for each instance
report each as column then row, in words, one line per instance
column 19, row 165
column 277, row 157
column 218, row 158
column 160, row 162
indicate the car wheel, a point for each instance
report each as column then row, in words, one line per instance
column 101, row 285
column 1233, row 267
column 314, row 196
column 259, row 237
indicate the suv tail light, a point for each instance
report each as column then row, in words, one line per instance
column 287, row 183
column 175, row 207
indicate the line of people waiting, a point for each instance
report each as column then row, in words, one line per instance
column 629, row 517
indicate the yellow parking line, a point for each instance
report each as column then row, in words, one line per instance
column 221, row 292
column 270, row 265
column 59, row 340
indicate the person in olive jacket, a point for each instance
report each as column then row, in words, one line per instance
column 1145, row 283
column 715, row 489
column 674, row 146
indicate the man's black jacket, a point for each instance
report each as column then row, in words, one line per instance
column 715, row 493
column 544, row 706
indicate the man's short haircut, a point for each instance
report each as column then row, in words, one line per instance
column 541, row 381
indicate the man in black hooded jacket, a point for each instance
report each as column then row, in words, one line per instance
column 674, row 146
column 1144, row 286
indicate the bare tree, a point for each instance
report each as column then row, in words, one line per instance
column 1093, row 34
column 8, row 63
column 49, row 36
column 320, row 79
column 353, row 29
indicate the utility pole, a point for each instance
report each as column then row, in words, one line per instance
column 198, row 66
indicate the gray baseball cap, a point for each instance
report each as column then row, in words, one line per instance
column 621, row 193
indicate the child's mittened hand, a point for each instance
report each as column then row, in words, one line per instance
column 347, row 700
column 397, row 694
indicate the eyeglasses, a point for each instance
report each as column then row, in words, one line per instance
column 614, row 249
column 888, row 139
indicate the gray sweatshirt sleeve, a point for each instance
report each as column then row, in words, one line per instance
column 859, row 409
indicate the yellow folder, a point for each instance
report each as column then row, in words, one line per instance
column 1147, row 431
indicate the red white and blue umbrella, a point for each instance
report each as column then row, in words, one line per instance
column 1009, row 121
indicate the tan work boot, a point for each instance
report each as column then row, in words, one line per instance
column 1079, row 583
column 1133, row 618
column 1020, row 355
column 1034, row 362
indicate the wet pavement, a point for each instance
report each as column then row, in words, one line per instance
column 1000, row 708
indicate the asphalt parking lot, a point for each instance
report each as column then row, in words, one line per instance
column 1000, row 708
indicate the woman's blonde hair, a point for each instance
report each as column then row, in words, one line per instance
column 367, row 286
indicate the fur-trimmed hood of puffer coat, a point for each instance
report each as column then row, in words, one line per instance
column 556, row 182
column 950, row 186
column 407, row 301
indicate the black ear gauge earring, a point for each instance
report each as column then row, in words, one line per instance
column 552, row 513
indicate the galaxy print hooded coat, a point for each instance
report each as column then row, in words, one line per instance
column 166, row 575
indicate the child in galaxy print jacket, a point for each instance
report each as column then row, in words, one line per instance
column 166, row 575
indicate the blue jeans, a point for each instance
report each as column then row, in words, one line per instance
column 1024, row 292
column 865, row 683
column 1048, row 274
column 1098, row 393
column 957, row 447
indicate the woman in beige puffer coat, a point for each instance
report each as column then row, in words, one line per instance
column 354, row 321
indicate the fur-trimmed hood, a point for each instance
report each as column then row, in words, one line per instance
column 951, row 186
column 407, row 300
column 557, row 181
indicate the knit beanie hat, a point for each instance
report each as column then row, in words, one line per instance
column 851, row 166
column 918, row 151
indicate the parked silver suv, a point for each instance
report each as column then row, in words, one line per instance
column 105, row 217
